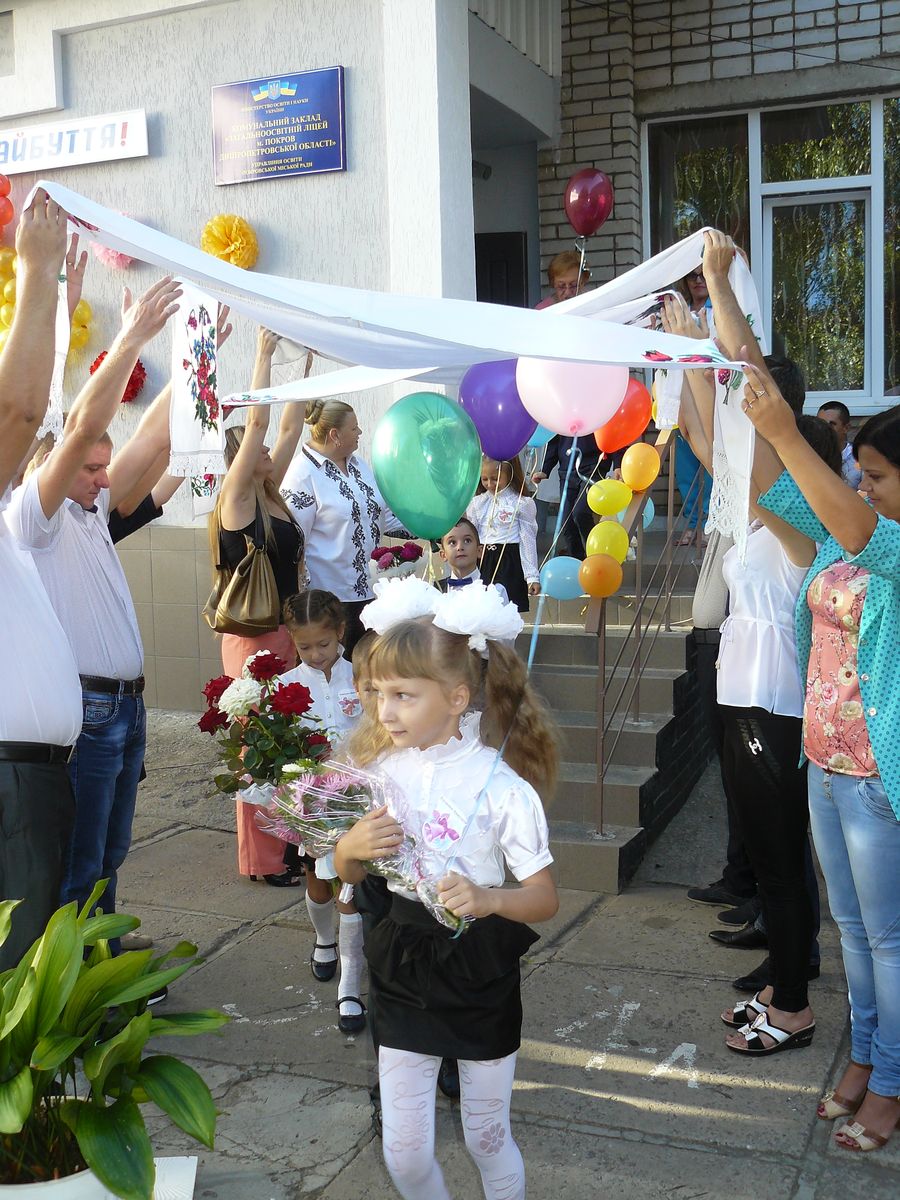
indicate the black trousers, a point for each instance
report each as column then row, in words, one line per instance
column 578, row 520
column 37, row 814
column 353, row 628
column 761, row 753
column 737, row 875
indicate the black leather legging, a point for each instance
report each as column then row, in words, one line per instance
column 760, row 756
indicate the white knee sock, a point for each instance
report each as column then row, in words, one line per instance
column 486, row 1089
column 350, row 945
column 407, row 1083
column 322, row 917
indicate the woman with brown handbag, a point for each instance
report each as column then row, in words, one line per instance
column 250, row 509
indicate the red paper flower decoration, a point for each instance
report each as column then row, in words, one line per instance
column 134, row 385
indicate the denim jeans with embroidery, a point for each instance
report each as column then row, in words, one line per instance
column 104, row 770
column 857, row 838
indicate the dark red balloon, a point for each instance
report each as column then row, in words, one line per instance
column 589, row 200
column 628, row 422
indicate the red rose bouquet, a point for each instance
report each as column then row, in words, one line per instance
column 389, row 562
column 261, row 726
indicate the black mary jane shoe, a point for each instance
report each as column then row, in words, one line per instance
column 323, row 971
column 448, row 1078
column 285, row 879
column 356, row 1022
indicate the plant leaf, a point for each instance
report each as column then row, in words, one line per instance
column 182, row 950
column 188, row 1024
column 106, row 926
column 115, row 1146
column 57, row 965
column 91, row 995
column 51, row 1051
column 21, row 998
column 146, row 985
column 6, row 912
column 180, row 1092
column 15, row 1101
column 125, row 1049
column 84, row 912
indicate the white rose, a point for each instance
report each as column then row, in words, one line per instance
column 239, row 697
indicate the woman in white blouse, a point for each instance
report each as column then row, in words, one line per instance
column 336, row 502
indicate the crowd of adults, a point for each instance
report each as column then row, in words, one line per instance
column 796, row 641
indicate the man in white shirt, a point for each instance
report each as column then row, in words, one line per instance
column 40, row 696
column 60, row 516
column 838, row 417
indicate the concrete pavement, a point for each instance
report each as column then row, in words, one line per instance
column 624, row 1087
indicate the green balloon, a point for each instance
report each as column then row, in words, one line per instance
column 427, row 459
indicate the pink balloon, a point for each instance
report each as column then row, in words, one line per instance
column 569, row 397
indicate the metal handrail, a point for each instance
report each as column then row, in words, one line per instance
column 638, row 640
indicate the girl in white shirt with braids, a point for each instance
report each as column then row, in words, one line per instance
column 432, row 994
column 505, row 516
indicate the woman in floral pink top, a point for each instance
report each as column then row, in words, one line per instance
column 848, row 640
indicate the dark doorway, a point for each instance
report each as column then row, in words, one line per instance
column 501, row 271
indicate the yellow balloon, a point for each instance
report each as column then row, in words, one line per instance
column 7, row 312
column 78, row 337
column 82, row 314
column 609, row 537
column 4, row 334
column 640, row 466
column 7, row 258
column 9, row 290
column 608, row 497
column 15, row 264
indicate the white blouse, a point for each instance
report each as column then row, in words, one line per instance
column 40, row 692
column 757, row 665
column 437, row 790
column 335, row 702
column 508, row 517
column 343, row 518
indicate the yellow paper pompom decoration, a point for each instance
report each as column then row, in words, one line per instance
column 231, row 238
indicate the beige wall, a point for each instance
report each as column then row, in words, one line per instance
column 169, row 576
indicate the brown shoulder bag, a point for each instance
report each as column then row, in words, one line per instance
column 244, row 600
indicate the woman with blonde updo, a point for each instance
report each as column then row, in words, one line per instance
column 335, row 500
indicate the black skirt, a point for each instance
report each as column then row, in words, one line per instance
column 451, row 997
column 503, row 564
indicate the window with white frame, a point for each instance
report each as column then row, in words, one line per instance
column 813, row 194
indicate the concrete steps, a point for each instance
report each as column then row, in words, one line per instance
column 655, row 761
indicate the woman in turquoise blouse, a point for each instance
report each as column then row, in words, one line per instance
column 848, row 640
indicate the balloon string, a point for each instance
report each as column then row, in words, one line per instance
column 542, row 599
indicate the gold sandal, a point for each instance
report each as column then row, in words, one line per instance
column 834, row 1105
column 864, row 1138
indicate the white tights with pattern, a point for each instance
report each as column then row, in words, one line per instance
column 408, row 1082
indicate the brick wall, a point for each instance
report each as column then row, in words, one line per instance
column 624, row 60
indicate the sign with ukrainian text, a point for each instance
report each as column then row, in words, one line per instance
column 269, row 128
column 71, row 143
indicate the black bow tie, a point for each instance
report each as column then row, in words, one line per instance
column 451, row 582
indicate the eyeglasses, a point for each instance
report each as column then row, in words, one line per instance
column 697, row 276
column 565, row 288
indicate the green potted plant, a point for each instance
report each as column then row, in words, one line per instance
column 74, row 1025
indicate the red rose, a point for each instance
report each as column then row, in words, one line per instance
column 212, row 720
column 266, row 666
column 378, row 552
column 291, row 699
column 318, row 745
column 215, row 688
column 410, row 552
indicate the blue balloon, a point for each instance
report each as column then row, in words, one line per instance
column 540, row 437
column 647, row 516
column 559, row 578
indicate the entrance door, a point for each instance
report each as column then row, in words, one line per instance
column 501, row 268
column 817, row 287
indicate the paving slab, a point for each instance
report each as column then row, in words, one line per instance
column 580, row 1164
column 280, row 1014
column 640, row 927
column 616, row 1050
column 195, row 869
column 185, row 793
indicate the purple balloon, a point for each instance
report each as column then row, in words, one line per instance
column 489, row 395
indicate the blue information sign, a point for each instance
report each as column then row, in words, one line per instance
column 270, row 127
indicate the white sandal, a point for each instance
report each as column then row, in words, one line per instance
column 745, row 1013
column 783, row 1040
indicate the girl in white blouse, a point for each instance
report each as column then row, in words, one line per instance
column 336, row 502
column 505, row 516
column 315, row 621
column 434, row 995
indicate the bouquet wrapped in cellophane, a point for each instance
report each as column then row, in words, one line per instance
column 314, row 809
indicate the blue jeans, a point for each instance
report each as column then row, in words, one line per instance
column 687, row 464
column 857, row 839
column 104, row 770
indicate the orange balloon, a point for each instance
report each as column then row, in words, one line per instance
column 600, row 575
column 7, row 212
column 640, row 466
